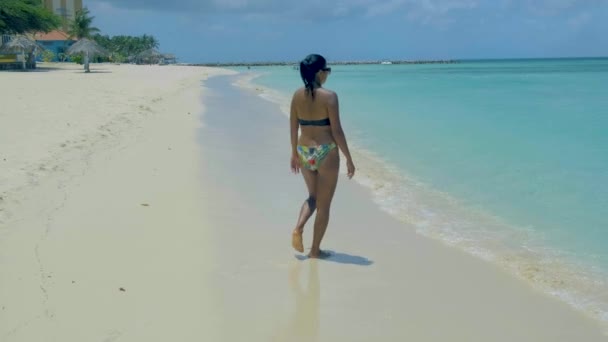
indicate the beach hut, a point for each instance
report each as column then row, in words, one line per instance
column 22, row 45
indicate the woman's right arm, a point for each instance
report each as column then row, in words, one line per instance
column 293, row 129
column 293, row 126
column 338, row 133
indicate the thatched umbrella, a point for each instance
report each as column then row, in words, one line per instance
column 87, row 47
column 169, row 58
column 21, row 44
column 149, row 55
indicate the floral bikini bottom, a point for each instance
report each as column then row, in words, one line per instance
column 312, row 156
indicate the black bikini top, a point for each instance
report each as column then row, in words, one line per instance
column 322, row 122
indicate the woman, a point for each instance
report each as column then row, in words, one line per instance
column 315, row 111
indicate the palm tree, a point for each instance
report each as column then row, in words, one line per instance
column 124, row 47
column 81, row 28
column 149, row 42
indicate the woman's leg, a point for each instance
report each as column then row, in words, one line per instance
column 308, row 208
column 327, row 179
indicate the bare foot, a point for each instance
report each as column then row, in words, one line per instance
column 296, row 241
column 319, row 254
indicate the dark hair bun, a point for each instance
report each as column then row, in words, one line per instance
column 309, row 67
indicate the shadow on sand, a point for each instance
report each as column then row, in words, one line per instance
column 38, row 69
column 93, row 72
column 342, row 258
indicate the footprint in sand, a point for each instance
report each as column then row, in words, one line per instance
column 113, row 336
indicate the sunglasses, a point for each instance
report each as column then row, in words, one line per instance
column 327, row 70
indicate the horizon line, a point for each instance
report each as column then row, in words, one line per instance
column 404, row 61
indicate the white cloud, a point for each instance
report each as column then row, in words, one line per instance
column 437, row 13
column 551, row 7
column 580, row 20
column 338, row 7
column 423, row 11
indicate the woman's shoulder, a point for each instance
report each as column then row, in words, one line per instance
column 326, row 94
column 322, row 93
column 326, row 91
column 299, row 92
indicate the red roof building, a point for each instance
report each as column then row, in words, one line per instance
column 56, row 41
column 52, row 36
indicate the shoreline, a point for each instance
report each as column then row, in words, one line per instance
column 397, row 276
column 389, row 61
column 568, row 281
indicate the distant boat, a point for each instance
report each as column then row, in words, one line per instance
column 386, row 62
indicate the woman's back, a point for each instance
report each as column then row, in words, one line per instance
column 313, row 115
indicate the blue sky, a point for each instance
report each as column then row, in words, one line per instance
column 287, row 30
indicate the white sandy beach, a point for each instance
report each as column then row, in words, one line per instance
column 123, row 217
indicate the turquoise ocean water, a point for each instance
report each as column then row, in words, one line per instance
column 506, row 159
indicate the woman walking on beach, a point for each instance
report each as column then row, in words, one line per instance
column 315, row 111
